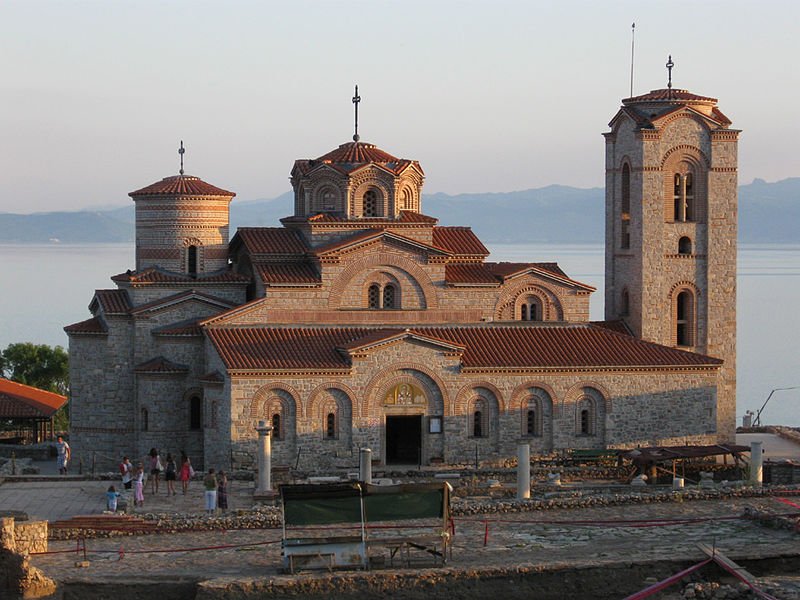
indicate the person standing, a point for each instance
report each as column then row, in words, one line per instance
column 64, row 454
column 222, row 491
column 111, row 499
column 170, row 474
column 210, row 484
column 126, row 470
column 155, row 469
column 138, row 486
column 187, row 472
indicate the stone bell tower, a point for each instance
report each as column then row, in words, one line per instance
column 671, row 226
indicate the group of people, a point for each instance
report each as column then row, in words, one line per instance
column 216, row 485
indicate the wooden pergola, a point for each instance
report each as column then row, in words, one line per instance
column 27, row 412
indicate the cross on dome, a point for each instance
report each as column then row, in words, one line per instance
column 356, row 100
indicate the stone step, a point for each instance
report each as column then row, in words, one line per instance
column 124, row 523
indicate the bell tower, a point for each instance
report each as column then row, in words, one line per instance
column 671, row 226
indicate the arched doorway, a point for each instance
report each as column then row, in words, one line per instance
column 406, row 423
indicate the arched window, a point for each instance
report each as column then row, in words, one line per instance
column 371, row 203
column 684, row 245
column 477, row 424
column 330, row 426
column 276, row 427
column 530, row 422
column 374, row 296
column 684, row 319
column 407, row 202
column 683, row 197
column 195, row 413
column 388, row 296
column 530, row 309
column 626, row 189
column 585, row 422
column 328, row 200
column 624, row 304
column 191, row 260
column 145, row 420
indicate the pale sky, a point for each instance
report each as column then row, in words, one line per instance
column 95, row 96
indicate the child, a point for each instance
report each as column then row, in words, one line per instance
column 222, row 491
column 138, row 486
column 170, row 474
column 111, row 498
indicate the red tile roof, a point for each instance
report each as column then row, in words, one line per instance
column 213, row 377
column 160, row 365
column 354, row 155
column 181, row 185
column 285, row 273
column 93, row 326
column 488, row 347
column 460, row 241
column 365, row 236
column 506, row 269
column 112, row 302
column 470, row 274
column 617, row 326
column 154, row 275
column 182, row 297
column 668, row 96
column 189, row 328
column 270, row 240
column 21, row 401
column 406, row 217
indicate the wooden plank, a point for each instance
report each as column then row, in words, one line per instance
column 727, row 562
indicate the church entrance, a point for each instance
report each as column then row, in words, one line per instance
column 403, row 439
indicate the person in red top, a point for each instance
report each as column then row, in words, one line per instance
column 186, row 472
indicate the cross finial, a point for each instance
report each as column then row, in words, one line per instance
column 356, row 100
column 181, row 152
column 670, row 64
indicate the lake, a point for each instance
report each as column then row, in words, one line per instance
column 44, row 287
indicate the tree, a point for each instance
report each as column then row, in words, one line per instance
column 41, row 366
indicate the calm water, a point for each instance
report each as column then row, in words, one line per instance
column 44, row 287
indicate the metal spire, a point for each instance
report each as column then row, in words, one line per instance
column 181, row 152
column 633, row 39
column 670, row 64
column 356, row 100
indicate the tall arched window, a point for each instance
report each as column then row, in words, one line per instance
column 624, row 304
column 371, row 203
column 330, row 426
column 684, row 245
column 585, row 421
column 625, row 209
column 477, row 424
column 328, row 200
column 388, row 296
column 145, row 420
column 374, row 296
column 195, row 413
column 191, row 260
column 684, row 319
column 530, row 421
column 407, row 202
column 530, row 309
column 276, row 426
column 683, row 197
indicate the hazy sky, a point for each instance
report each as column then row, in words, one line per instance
column 489, row 96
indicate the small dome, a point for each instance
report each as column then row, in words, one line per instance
column 358, row 152
column 668, row 95
column 181, row 185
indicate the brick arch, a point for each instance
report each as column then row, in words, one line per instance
column 192, row 241
column 261, row 397
column 683, row 285
column 685, row 151
column 576, row 391
column 391, row 376
column 371, row 179
column 520, row 394
column 463, row 397
column 383, row 259
column 315, row 398
column 684, row 115
column 552, row 301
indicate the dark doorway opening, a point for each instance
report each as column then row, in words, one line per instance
column 403, row 440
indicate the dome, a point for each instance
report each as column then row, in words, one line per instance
column 181, row 185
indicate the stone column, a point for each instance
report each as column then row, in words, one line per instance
column 7, row 537
column 523, row 471
column 756, row 463
column 365, row 465
column 264, row 484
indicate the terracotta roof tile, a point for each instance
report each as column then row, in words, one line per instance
column 365, row 236
column 469, row 274
column 188, row 328
column 180, row 297
column 459, row 240
column 617, row 326
column 213, row 377
column 154, row 275
column 490, row 347
column 181, row 185
column 506, row 269
column 112, row 302
column 160, row 365
column 285, row 273
column 406, row 217
column 270, row 240
column 18, row 400
column 353, row 155
column 668, row 96
column 93, row 326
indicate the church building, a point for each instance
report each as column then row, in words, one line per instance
column 361, row 322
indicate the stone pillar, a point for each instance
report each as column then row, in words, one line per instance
column 264, row 483
column 756, row 463
column 523, row 471
column 365, row 465
column 7, row 537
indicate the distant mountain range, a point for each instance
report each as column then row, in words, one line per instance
column 768, row 213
